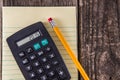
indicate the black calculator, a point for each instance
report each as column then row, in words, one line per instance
column 36, row 54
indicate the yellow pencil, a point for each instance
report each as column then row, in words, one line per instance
column 68, row 49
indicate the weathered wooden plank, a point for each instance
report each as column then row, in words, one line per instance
column 100, row 54
column 39, row 2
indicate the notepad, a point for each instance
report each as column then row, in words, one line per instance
column 16, row 18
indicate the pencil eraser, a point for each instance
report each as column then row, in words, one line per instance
column 50, row 19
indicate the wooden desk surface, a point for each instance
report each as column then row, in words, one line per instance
column 98, row 34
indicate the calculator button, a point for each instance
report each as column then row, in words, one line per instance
column 36, row 79
column 61, row 73
column 44, row 59
column 44, row 77
column 52, row 55
column 37, row 46
column 40, row 53
column 51, row 73
column 25, row 61
column 47, row 49
column 55, row 62
column 29, row 50
column 32, row 75
column 55, row 79
column 29, row 68
column 32, row 57
column 36, row 64
column 44, row 42
column 21, row 54
column 47, row 66
column 40, row 71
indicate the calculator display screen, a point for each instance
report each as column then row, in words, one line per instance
column 28, row 38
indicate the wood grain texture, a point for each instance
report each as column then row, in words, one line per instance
column 99, row 34
column 39, row 2
column 100, row 39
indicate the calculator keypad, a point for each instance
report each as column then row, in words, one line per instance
column 21, row 54
column 25, row 61
column 61, row 73
column 36, row 64
column 37, row 46
column 44, row 77
column 55, row 62
column 51, row 56
column 40, row 71
column 41, row 62
column 44, row 42
column 51, row 73
column 32, row 75
column 40, row 53
column 28, row 68
column 47, row 49
column 29, row 50
column 32, row 57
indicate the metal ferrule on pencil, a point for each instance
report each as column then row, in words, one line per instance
column 51, row 21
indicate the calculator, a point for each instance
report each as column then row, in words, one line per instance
column 36, row 54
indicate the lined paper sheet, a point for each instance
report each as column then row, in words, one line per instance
column 16, row 18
